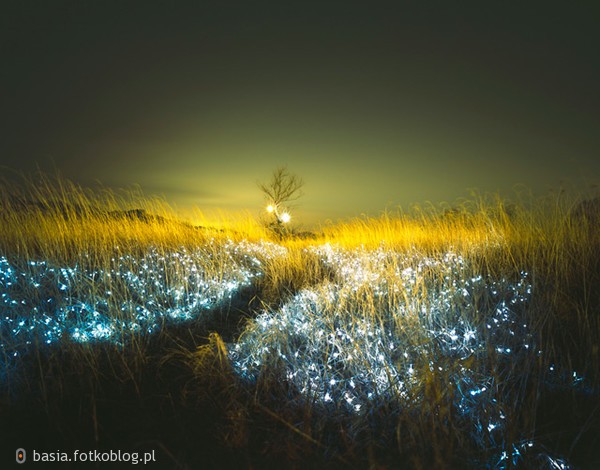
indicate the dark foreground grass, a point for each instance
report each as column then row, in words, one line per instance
column 460, row 340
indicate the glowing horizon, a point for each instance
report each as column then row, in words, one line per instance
column 373, row 108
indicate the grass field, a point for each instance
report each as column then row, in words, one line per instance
column 465, row 338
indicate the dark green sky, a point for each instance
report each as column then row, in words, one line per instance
column 373, row 104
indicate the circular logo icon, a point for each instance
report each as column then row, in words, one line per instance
column 21, row 456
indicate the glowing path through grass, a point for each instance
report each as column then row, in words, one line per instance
column 390, row 325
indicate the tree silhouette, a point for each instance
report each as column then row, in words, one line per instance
column 283, row 188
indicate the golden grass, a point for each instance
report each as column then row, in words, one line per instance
column 53, row 219
column 57, row 221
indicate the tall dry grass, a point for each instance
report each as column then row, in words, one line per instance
column 53, row 218
column 388, row 286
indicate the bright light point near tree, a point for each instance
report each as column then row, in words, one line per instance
column 270, row 208
column 285, row 217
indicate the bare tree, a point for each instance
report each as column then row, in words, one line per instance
column 283, row 188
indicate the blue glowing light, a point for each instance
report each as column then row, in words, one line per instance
column 374, row 331
column 39, row 301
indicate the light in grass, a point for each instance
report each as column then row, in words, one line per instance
column 338, row 353
column 135, row 294
column 340, row 358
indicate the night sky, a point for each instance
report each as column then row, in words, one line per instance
column 374, row 105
